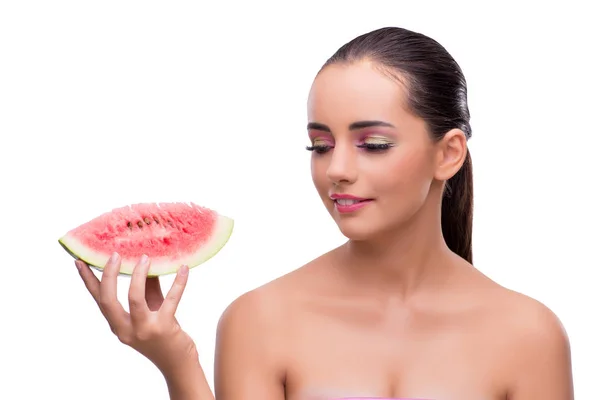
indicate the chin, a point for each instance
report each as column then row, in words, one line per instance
column 369, row 225
column 359, row 228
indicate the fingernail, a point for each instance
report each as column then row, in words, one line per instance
column 184, row 270
column 78, row 265
column 144, row 259
column 114, row 257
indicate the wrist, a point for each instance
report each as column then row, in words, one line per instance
column 182, row 361
column 188, row 382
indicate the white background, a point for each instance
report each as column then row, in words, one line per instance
column 108, row 103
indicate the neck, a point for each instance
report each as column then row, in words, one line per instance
column 409, row 259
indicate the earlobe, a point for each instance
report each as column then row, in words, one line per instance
column 452, row 151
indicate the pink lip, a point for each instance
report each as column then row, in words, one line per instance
column 344, row 209
column 350, row 208
column 346, row 196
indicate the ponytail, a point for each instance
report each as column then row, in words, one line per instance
column 457, row 211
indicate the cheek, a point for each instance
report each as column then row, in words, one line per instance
column 407, row 174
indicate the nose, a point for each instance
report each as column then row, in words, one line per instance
column 342, row 166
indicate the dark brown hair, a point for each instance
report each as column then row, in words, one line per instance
column 437, row 93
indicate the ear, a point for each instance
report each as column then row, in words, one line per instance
column 451, row 154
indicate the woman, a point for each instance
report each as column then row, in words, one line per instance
column 396, row 311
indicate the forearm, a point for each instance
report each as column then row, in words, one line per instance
column 189, row 383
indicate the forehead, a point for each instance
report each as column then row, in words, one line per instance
column 346, row 93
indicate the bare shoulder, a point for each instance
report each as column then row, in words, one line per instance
column 261, row 317
column 537, row 348
column 257, row 317
column 526, row 321
column 270, row 303
column 532, row 325
column 255, row 310
column 251, row 349
column 266, row 307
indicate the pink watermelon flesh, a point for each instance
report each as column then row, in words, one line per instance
column 170, row 234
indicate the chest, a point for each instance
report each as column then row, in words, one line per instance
column 399, row 355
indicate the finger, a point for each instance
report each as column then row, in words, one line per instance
column 92, row 283
column 114, row 311
column 137, row 290
column 154, row 295
column 174, row 295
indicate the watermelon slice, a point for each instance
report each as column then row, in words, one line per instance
column 170, row 234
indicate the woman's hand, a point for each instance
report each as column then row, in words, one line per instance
column 150, row 326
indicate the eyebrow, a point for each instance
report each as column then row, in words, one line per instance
column 353, row 126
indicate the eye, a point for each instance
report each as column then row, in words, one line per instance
column 320, row 146
column 376, row 144
column 319, row 149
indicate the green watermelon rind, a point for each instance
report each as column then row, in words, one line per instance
column 220, row 237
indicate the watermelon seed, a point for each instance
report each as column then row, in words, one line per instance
column 147, row 220
column 156, row 220
column 140, row 224
column 129, row 225
column 170, row 223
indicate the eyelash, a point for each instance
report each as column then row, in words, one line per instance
column 371, row 147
